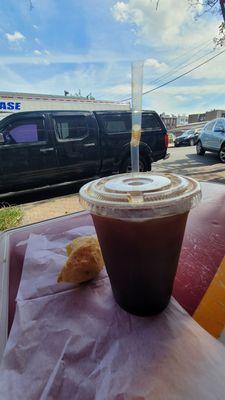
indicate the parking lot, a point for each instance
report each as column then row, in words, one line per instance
column 185, row 161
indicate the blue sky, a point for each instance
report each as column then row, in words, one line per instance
column 89, row 45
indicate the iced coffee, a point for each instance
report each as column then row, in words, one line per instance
column 140, row 221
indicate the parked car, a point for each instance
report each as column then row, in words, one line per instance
column 212, row 138
column 45, row 148
column 188, row 138
column 198, row 131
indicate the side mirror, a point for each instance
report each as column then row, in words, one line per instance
column 1, row 138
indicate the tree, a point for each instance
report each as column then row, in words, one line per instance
column 216, row 7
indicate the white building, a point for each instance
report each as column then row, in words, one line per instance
column 11, row 102
column 182, row 119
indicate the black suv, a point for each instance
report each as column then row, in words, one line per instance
column 48, row 147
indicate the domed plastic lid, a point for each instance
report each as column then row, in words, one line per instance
column 140, row 195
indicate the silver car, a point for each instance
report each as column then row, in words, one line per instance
column 212, row 138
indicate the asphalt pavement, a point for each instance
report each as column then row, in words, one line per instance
column 54, row 202
column 182, row 160
column 185, row 161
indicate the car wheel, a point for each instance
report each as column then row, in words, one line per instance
column 144, row 165
column 199, row 149
column 222, row 154
column 192, row 142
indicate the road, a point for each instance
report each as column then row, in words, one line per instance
column 182, row 160
column 185, row 161
column 56, row 202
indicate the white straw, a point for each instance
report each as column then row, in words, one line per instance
column 137, row 87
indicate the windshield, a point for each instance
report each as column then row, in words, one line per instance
column 187, row 133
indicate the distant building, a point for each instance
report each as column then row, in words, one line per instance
column 182, row 119
column 207, row 116
column 12, row 102
column 169, row 120
column 192, row 118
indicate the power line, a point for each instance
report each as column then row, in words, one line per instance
column 179, row 76
column 200, row 47
column 180, row 67
column 204, row 44
column 212, row 99
column 185, row 73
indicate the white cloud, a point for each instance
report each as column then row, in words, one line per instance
column 171, row 99
column 167, row 100
column 152, row 62
column 179, row 97
column 85, row 78
column 36, row 27
column 213, row 70
column 11, row 80
column 37, row 40
column 118, row 90
column 121, row 11
column 189, row 90
column 180, row 92
column 37, row 52
column 15, row 37
column 62, row 58
column 172, row 24
column 47, row 52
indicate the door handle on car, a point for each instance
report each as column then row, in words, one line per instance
column 47, row 150
column 89, row 145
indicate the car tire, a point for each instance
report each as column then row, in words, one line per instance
column 144, row 165
column 192, row 142
column 199, row 149
column 176, row 145
column 222, row 154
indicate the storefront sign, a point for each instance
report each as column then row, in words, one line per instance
column 10, row 105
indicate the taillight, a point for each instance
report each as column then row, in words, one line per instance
column 166, row 139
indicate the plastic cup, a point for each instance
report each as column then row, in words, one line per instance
column 140, row 220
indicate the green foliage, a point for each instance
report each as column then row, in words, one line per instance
column 214, row 7
column 10, row 217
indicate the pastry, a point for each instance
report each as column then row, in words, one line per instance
column 84, row 260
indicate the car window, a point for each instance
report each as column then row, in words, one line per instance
column 71, row 127
column 219, row 126
column 209, row 126
column 187, row 133
column 116, row 123
column 150, row 122
column 25, row 131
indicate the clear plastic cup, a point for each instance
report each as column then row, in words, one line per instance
column 140, row 220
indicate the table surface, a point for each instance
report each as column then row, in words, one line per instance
column 165, row 357
column 203, row 247
column 202, row 250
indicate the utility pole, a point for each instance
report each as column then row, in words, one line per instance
column 222, row 5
